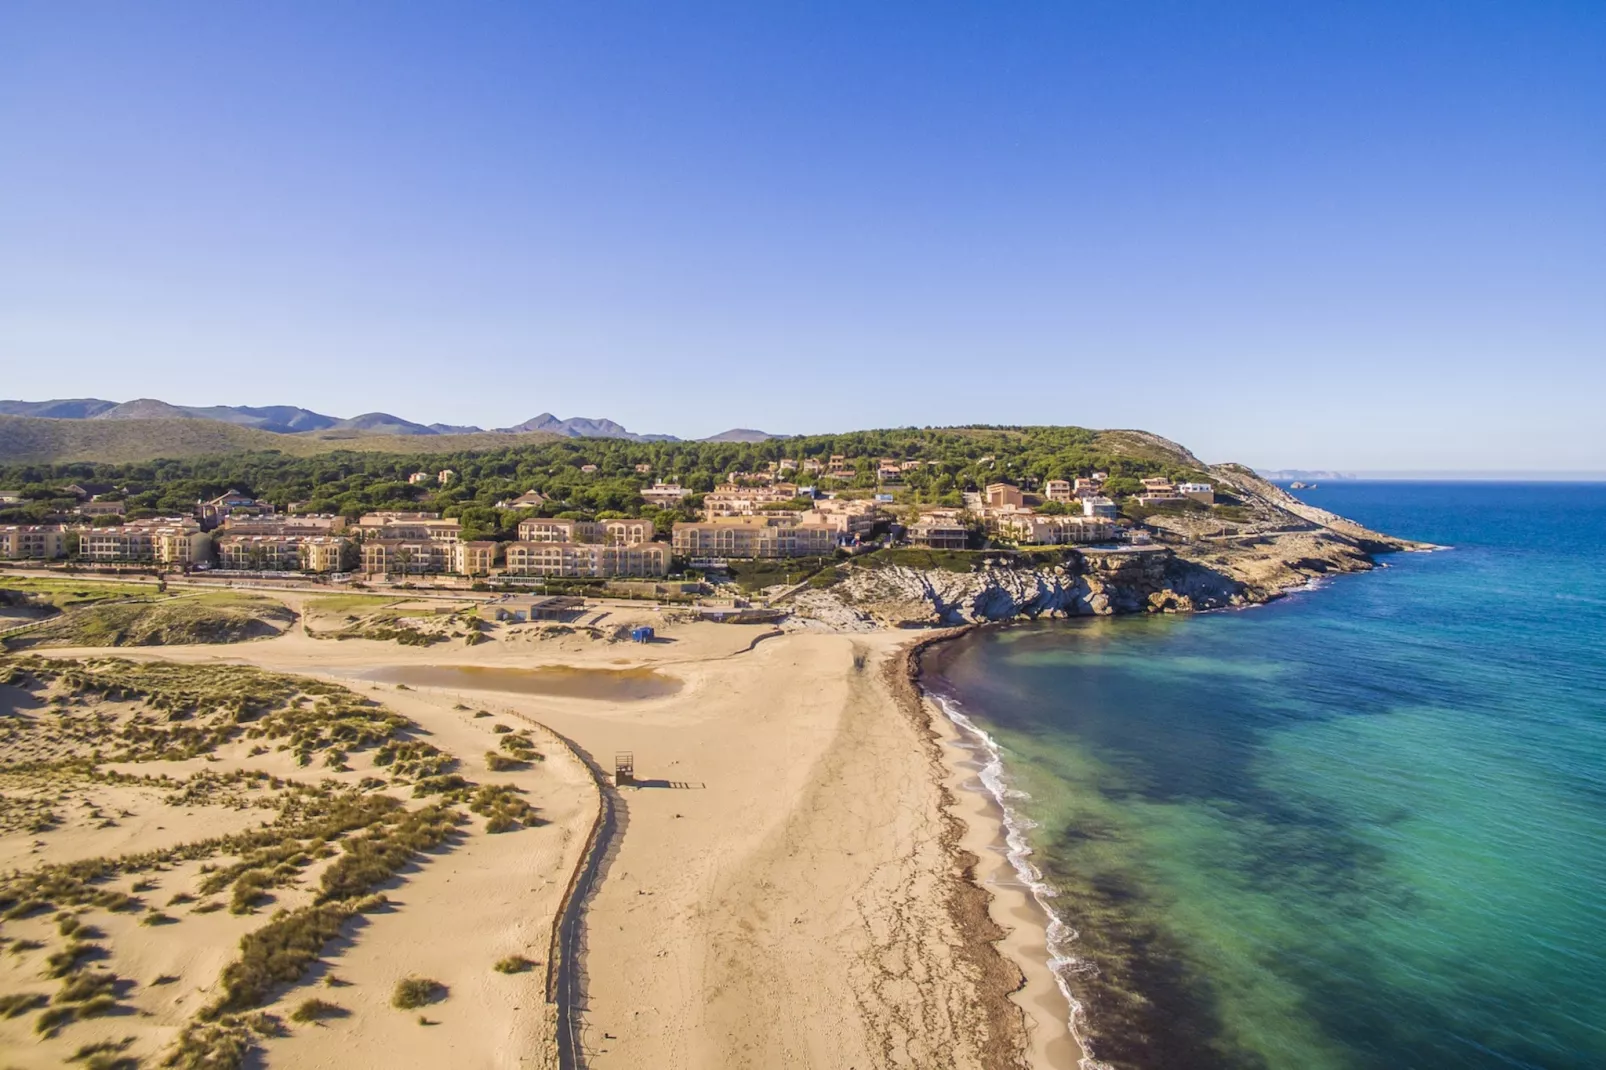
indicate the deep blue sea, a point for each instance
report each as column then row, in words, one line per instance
column 1361, row 827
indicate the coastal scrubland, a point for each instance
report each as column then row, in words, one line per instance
column 350, row 482
column 188, row 848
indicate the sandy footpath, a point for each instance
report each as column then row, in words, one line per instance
column 787, row 889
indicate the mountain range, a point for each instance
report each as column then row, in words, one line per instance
column 294, row 420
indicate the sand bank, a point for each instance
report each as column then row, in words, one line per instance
column 789, row 886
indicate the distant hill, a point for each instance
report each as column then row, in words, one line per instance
column 38, row 440
column 285, row 419
column 61, row 409
column 293, row 420
column 740, row 434
column 380, row 423
column 584, row 427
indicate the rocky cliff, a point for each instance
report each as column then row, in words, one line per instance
column 1273, row 544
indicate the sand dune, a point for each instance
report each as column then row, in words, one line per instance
column 786, row 888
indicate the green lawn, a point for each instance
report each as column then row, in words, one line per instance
column 66, row 593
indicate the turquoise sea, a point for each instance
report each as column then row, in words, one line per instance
column 1361, row 827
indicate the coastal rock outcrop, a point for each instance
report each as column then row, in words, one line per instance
column 1273, row 543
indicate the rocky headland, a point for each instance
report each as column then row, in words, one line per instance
column 1272, row 544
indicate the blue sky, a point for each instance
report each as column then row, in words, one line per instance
column 1355, row 235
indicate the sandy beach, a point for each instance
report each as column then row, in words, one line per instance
column 790, row 883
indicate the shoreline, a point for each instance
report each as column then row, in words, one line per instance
column 993, row 840
column 975, row 795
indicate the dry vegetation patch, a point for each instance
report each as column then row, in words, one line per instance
column 77, row 738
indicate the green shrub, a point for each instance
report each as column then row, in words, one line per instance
column 20, row 1003
column 414, row 992
column 51, row 1021
column 316, row 1010
column 514, row 964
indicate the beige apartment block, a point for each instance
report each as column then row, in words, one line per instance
column 259, row 553
column 587, row 560
column 729, row 499
column 1031, row 529
column 33, row 542
column 284, row 552
column 474, row 558
column 1058, row 490
column 406, row 557
column 940, row 532
column 410, row 526
column 753, row 536
column 1003, row 494
column 851, row 516
column 543, row 529
column 165, row 541
column 302, row 524
column 627, row 532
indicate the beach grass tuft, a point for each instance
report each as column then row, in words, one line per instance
column 414, row 992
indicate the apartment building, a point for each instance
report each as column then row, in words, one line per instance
column 409, row 526
column 1002, row 495
column 100, row 508
column 1031, row 529
column 846, row 516
column 665, row 495
column 587, row 560
column 165, row 541
column 328, row 553
column 1099, row 506
column 475, row 558
column 631, row 532
column 1058, row 490
column 1088, row 487
column 233, row 503
column 303, row 524
column 382, row 556
column 753, row 536
column 33, row 542
column 285, row 552
column 728, row 499
column 543, row 529
column 259, row 553
column 940, row 531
